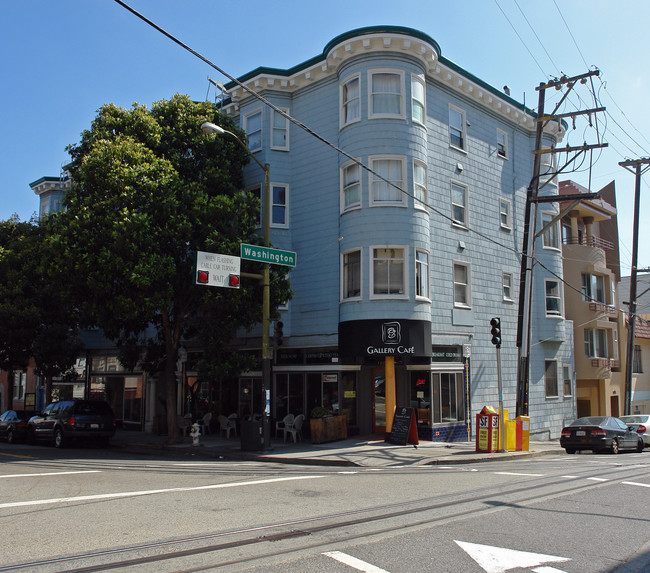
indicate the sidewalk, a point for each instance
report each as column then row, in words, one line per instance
column 358, row 451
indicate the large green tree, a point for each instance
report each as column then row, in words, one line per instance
column 149, row 189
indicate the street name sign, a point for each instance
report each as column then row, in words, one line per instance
column 213, row 269
column 268, row 255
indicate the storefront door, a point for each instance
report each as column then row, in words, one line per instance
column 379, row 401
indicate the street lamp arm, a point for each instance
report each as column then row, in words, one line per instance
column 214, row 129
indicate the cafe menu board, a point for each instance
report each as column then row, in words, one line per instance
column 404, row 429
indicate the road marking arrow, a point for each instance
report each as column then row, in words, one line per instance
column 500, row 559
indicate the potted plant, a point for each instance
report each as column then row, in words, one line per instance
column 325, row 427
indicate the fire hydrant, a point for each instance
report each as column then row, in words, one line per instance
column 195, row 433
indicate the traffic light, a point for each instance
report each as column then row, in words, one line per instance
column 233, row 281
column 277, row 332
column 496, row 331
column 202, row 277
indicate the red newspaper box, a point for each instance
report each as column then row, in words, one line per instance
column 487, row 430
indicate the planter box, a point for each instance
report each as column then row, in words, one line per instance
column 328, row 429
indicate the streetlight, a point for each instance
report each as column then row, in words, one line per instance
column 213, row 129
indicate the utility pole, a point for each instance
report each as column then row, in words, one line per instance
column 530, row 220
column 629, row 356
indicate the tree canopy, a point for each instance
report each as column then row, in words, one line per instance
column 149, row 189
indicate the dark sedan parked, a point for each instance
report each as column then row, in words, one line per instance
column 62, row 422
column 600, row 434
column 13, row 424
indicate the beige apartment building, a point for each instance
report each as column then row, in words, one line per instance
column 592, row 272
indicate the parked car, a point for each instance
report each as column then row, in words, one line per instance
column 66, row 421
column 13, row 424
column 599, row 434
column 640, row 423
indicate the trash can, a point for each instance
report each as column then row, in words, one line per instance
column 255, row 435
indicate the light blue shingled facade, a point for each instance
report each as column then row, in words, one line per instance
column 388, row 62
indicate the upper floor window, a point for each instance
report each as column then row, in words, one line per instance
column 352, row 274
column 507, row 287
column 462, row 291
column 422, row 274
column 388, row 190
column 280, row 131
column 502, row 143
column 637, row 365
column 505, row 214
column 20, row 381
column 350, row 186
column 550, row 378
column 553, row 297
column 386, row 94
column 593, row 288
column 350, row 100
column 279, row 205
column 457, row 127
column 596, row 343
column 459, row 203
column 388, row 276
column 550, row 236
column 419, row 184
column 253, row 129
column 418, row 99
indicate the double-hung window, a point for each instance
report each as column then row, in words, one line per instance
column 462, row 291
column 505, row 214
column 419, row 184
column 422, row 274
column 253, row 129
column 388, row 189
column 350, row 186
column 507, row 287
column 553, row 297
column 351, row 274
column 386, row 94
column 566, row 377
column 596, row 343
column 388, row 277
column 457, row 136
column 550, row 378
column 551, row 239
column 280, row 131
column 350, row 101
column 279, row 205
column 20, row 382
column 459, row 203
column 502, row 144
column 418, row 99
column 637, row 364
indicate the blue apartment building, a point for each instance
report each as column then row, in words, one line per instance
column 407, row 244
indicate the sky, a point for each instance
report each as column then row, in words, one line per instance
column 61, row 60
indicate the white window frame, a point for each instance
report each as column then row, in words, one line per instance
column 420, row 191
column 454, row 129
column 282, row 127
column 20, row 384
column 553, row 314
column 502, row 144
column 345, row 275
column 375, row 182
column 345, row 101
column 422, row 283
column 551, row 236
column 466, row 286
column 345, row 186
column 417, row 103
column 401, row 114
column 376, row 250
column 505, row 215
column 567, row 380
column 508, row 286
column 252, row 146
column 547, row 380
column 284, row 206
column 455, row 204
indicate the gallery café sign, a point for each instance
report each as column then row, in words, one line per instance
column 378, row 338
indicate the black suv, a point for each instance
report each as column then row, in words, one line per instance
column 62, row 422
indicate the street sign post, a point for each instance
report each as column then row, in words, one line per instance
column 268, row 255
column 213, row 269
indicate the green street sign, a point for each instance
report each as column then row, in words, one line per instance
column 268, row 255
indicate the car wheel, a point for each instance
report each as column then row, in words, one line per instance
column 10, row 436
column 639, row 446
column 614, row 449
column 570, row 450
column 30, row 435
column 58, row 438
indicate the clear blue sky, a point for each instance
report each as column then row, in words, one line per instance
column 63, row 59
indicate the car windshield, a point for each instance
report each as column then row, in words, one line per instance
column 589, row 421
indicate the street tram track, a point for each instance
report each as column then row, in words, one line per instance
column 340, row 521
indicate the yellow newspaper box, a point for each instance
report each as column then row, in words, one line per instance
column 523, row 433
